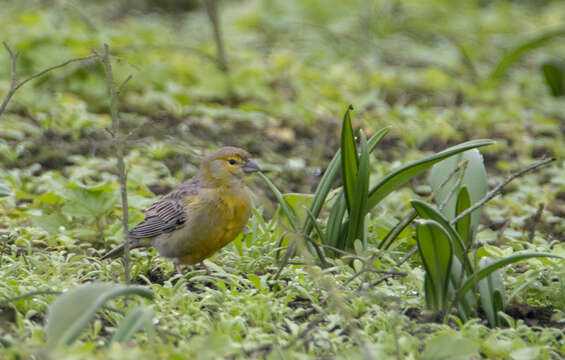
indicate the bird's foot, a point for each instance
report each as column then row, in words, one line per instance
column 179, row 270
column 208, row 271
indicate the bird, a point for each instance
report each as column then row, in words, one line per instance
column 200, row 216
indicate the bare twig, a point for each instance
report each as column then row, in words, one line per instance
column 412, row 213
column 119, row 142
column 455, row 186
column 497, row 189
column 14, row 85
column 211, row 7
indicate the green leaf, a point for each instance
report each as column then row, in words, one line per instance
column 450, row 345
column 522, row 49
column 85, row 203
column 328, row 179
column 71, row 312
column 463, row 226
column 467, row 305
column 491, row 291
column 349, row 158
column 435, row 249
column 399, row 177
column 286, row 209
column 335, row 220
column 475, row 178
column 50, row 223
column 425, row 211
column 140, row 318
column 358, row 209
column 497, row 265
column 554, row 75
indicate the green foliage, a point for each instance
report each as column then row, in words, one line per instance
column 554, row 75
column 293, row 65
column 474, row 181
column 138, row 319
column 71, row 313
column 522, row 49
column 438, row 236
column 435, row 249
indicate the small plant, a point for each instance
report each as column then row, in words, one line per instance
column 71, row 313
column 346, row 222
column 445, row 240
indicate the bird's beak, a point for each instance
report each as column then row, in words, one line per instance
column 250, row 167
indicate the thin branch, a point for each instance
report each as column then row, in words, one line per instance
column 14, row 85
column 211, row 7
column 114, row 93
column 498, row 189
column 455, row 186
column 412, row 213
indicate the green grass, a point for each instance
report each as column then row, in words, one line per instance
column 418, row 67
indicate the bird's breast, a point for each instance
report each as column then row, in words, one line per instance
column 212, row 222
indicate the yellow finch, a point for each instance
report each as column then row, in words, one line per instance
column 202, row 215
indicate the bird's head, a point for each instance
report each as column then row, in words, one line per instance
column 226, row 165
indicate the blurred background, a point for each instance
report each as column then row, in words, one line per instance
column 275, row 77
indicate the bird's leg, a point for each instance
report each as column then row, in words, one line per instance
column 177, row 267
column 208, row 272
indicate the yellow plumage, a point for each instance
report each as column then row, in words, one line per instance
column 202, row 215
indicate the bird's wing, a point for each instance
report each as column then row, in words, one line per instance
column 168, row 213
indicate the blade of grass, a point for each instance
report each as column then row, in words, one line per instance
column 286, row 208
column 328, row 179
column 359, row 200
column 349, row 158
column 484, row 272
column 522, row 49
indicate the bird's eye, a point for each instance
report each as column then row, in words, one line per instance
column 231, row 161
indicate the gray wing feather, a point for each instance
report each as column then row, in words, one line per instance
column 167, row 213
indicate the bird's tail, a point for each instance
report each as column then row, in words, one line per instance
column 119, row 250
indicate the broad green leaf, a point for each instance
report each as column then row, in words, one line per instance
column 50, row 223
column 140, row 318
column 286, row 209
column 475, row 178
column 554, row 75
column 399, row 177
column 328, row 179
column 349, row 158
column 71, row 312
column 497, row 265
column 358, row 209
column 450, row 345
column 522, row 49
column 435, row 249
column 425, row 211
column 463, row 226
column 87, row 204
column 491, row 291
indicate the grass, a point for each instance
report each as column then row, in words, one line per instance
column 293, row 67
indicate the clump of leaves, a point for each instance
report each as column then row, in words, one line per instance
column 71, row 313
column 445, row 241
column 346, row 222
